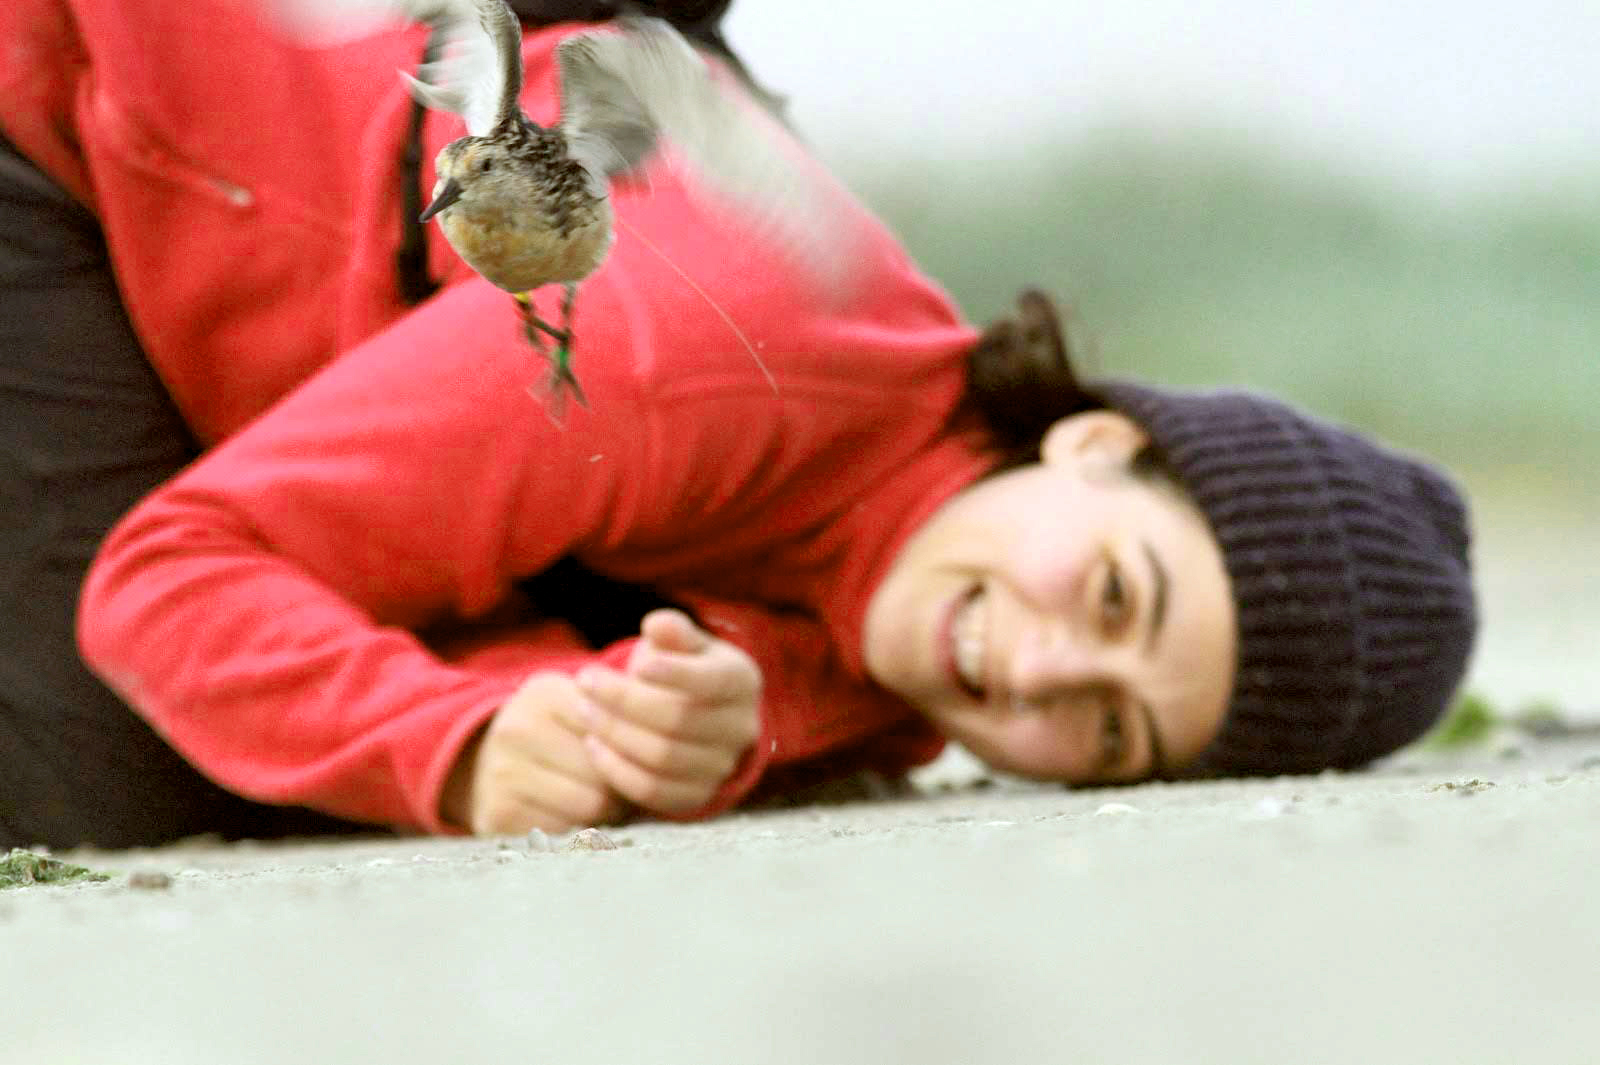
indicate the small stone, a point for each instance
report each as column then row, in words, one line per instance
column 538, row 841
column 590, row 839
column 1111, row 809
column 1463, row 787
column 1270, row 806
column 149, row 880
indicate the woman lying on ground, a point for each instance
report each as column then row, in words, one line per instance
column 919, row 536
column 404, row 596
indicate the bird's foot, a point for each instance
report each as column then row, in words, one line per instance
column 562, row 382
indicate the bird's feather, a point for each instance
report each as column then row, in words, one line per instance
column 478, row 43
column 623, row 89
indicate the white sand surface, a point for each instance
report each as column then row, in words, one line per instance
column 1438, row 909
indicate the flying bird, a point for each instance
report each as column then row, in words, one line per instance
column 527, row 205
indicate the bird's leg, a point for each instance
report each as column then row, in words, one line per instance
column 531, row 325
column 563, row 356
column 561, row 380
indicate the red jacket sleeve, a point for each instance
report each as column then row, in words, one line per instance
column 259, row 609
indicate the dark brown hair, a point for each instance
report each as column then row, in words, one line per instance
column 1020, row 379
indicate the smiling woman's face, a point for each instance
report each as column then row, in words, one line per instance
column 1063, row 620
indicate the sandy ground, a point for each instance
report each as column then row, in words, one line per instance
column 1438, row 909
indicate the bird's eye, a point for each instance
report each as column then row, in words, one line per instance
column 485, row 164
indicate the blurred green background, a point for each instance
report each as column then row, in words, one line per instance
column 1468, row 331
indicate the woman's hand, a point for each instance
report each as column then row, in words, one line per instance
column 529, row 768
column 668, row 731
column 564, row 752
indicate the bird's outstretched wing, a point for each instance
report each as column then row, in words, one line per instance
column 478, row 44
column 623, row 88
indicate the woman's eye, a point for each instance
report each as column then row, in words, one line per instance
column 1112, row 739
column 1115, row 601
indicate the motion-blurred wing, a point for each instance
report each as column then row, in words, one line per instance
column 478, row 44
column 622, row 89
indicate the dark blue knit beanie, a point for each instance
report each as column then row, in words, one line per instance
column 1350, row 572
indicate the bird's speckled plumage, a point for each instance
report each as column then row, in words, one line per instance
column 526, row 215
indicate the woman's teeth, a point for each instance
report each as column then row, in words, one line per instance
column 971, row 642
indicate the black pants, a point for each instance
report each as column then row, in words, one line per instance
column 86, row 429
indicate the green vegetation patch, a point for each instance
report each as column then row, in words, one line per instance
column 1472, row 719
column 1468, row 722
column 23, row 868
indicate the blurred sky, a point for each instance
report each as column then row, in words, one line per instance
column 1446, row 95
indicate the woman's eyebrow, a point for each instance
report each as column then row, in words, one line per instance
column 1158, row 605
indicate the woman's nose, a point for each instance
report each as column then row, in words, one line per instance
column 1048, row 660
column 1045, row 574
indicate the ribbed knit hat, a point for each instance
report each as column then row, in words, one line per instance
column 1350, row 572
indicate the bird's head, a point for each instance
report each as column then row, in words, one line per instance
column 471, row 168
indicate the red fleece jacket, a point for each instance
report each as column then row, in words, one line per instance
column 260, row 609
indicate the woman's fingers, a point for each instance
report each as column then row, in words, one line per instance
column 661, row 709
column 530, row 770
column 720, row 674
column 542, row 724
column 646, row 788
column 520, row 798
column 672, row 630
column 665, row 755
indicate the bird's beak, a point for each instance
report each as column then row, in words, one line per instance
column 447, row 196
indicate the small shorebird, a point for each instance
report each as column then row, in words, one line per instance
column 527, row 205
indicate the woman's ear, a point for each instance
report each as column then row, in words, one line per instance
column 1093, row 438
